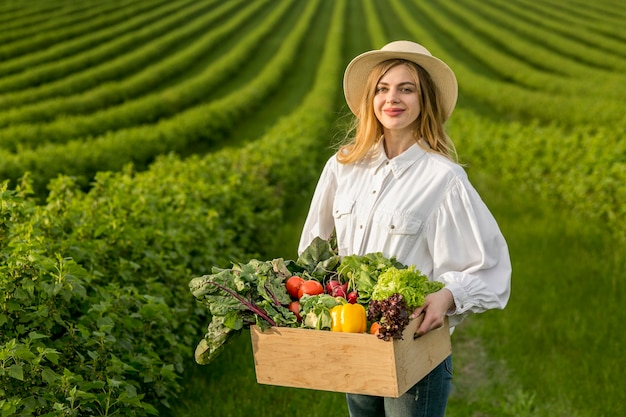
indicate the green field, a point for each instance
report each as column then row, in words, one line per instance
column 144, row 141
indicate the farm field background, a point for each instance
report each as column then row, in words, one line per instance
column 144, row 141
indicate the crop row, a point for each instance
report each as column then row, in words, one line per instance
column 21, row 20
column 95, row 307
column 118, row 309
column 205, row 123
column 99, row 53
column 511, row 74
column 588, row 41
column 562, row 52
column 149, row 106
column 101, row 16
column 92, row 40
column 13, row 15
column 515, row 67
column 607, row 22
column 116, row 75
column 526, row 63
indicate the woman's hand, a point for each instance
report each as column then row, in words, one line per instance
column 434, row 308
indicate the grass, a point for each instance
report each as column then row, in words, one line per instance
column 552, row 352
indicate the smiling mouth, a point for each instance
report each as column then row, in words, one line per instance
column 393, row 112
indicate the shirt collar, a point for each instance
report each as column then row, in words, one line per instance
column 400, row 163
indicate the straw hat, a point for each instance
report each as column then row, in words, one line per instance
column 358, row 69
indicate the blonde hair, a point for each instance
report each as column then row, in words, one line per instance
column 366, row 130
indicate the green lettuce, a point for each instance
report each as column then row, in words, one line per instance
column 409, row 282
column 362, row 272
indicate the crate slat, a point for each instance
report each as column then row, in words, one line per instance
column 347, row 362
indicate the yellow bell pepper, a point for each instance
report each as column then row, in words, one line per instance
column 349, row 318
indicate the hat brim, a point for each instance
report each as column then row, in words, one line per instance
column 358, row 69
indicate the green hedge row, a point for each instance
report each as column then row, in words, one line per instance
column 148, row 108
column 565, row 149
column 91, row 44
column 96, row 311
column 581, row 172
column 96, row 318
column 101, row 17
column 206, row 124
column 94, row 304
column 525, row 63
column 598, row 30
column 128, row 75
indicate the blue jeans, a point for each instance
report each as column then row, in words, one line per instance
column 427, row 398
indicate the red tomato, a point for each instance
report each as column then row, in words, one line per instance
column 294, row 307
column 293, row 285
column 311, row 287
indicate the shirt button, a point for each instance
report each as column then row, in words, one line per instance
column 392, row 226
column 361, row 226
column 374, row 192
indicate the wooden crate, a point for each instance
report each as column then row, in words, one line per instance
column 347, row 362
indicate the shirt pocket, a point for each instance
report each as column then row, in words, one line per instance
column 397, row 223
column 397, row 233
column 342, row 207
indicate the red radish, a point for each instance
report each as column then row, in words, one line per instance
column 336, row 288
column 352, row 297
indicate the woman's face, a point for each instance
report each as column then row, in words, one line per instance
column 396, row 101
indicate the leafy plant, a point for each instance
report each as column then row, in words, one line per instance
column 246, row 294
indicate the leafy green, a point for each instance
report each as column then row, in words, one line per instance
column 246, row 294
column 319, row 259
column 315, row 310
column 392, row 314
column 363, row 272
column 255, row 293
column 408, row 282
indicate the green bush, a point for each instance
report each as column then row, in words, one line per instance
column 96, row 311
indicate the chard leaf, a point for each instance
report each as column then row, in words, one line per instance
column 280, row 269
column 233, row 320
column 220, row 305
column 318, row 258
column 214, row 341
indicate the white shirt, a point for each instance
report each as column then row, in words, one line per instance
column 421, row 208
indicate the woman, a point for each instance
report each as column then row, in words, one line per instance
column 396, row 188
